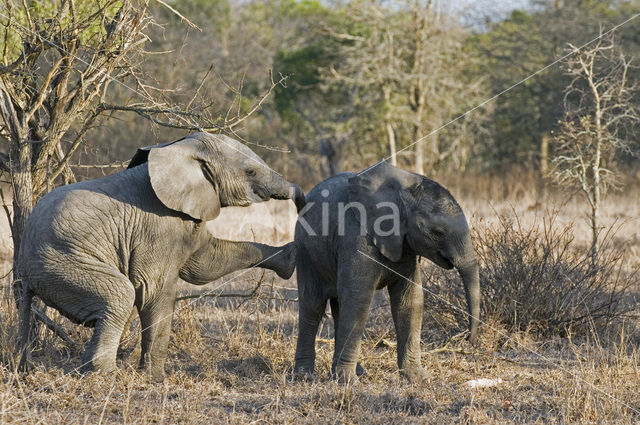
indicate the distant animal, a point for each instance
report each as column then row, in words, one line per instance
column 362, row 232
column 95, row 250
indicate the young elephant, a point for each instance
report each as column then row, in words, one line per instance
column 363, row 232
column 94, row 250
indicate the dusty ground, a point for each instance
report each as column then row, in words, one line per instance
column 230, row 359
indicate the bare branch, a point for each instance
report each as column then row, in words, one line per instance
column 43, row 91
column 5, row 207
column 121, row 164
column 178, row 14
column 257, row 105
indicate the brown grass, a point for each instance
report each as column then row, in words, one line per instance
column 230, row 359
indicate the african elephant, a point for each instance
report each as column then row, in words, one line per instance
column 362, row 232
column 94, row 250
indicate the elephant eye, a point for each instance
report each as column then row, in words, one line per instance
column 438, row 233
column 250, row 172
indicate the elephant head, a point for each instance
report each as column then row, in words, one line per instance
column 201, row 173
column 406, row 211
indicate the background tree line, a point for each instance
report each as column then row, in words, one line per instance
column 364, row 80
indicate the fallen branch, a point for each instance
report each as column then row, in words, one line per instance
column 223, row 295
column 54, row 327
column 122, row 164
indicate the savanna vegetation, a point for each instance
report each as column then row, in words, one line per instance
column 529, row 116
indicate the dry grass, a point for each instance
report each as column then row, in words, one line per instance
column 230, row 359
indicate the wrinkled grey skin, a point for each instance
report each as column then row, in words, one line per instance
column 337, row 268
column 97, row 249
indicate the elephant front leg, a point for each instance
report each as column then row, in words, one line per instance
column 155, row 320
column 311, row 307
column 335, row 312
column 355, row 301
column 406, row 299
column 221, row 257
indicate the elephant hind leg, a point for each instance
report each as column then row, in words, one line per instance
column 110, row 319
column 309, row 318
column 101, row 352
column 25, row 327
column 311, row 307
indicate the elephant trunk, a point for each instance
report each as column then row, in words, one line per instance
column 470, row 278
column 298, row 197
column 287, row 190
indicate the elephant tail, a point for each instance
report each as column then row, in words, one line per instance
column 25, row 326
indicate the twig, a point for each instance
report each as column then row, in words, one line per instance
column 447, row 349
column 7, row 274
column 224, row 295
column 122, row 164
column 5, row 206
column 197, row 92
column 188, row 22
column 54, row 327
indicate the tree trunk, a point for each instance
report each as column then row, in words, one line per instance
column 418, row 138
column 594, row 234
column 419, row 157
column 392, row 144
column 544, row 166
column 544, row 155
column 595, row 206
column 22, row 205
column 391, row 135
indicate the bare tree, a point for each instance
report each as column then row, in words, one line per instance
column 404, row 62
column 372, row 62
column 59, row 64
column 434, row 82
column 56, row 68
column 597, row 123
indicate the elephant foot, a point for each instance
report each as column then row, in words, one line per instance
column 153, row 376
column 286, row 261
column 304, row 375
column 472, row 338
column 345, row 374
column 91, row 369
column 96, row 366
column 24, row 366
column 414, row 374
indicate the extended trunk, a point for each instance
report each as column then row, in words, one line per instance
column 471, row 282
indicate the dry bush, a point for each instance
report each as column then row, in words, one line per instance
column 538, row 279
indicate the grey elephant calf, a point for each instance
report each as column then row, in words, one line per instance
column 94, row 250
column 360, row 233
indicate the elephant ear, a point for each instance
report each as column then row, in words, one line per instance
column 379, row 190
column 182, row 182
column 142, row 154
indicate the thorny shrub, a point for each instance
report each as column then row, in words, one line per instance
column 538, row 279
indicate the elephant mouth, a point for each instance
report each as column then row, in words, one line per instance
column 442, row 261
column 262, row 193
column 281, row 197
